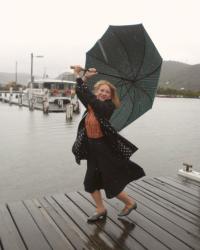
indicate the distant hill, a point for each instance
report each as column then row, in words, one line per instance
column 22, row 78
column 179, row 75
column 174, row 74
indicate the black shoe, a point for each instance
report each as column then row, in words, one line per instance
column 97, row 216
column 127, row 211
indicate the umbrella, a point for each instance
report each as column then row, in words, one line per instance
column 126, row 57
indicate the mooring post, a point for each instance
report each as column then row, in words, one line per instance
column 188, row 167
column 20, row 97
column 10, row 96
column 69, row 111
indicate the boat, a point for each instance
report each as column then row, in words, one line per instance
column 57, row 93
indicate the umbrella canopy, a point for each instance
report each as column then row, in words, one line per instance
column 126, row 57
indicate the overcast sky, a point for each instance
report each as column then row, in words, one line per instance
column 64, row 30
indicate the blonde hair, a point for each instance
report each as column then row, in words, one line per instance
column 114, row 96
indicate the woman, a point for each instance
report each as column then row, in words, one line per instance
column 107, row 153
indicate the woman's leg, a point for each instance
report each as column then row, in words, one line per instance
column 96, row 195
column 127, row 200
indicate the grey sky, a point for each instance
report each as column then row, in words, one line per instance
column 63, row 30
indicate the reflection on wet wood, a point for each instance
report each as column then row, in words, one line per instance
column 167, row 217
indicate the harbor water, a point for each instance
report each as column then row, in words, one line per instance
column 36, row 157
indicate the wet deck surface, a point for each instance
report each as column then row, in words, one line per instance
column 167, row 217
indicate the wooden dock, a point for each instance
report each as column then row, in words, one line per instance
column 167, row 217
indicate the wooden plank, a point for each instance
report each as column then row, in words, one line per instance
column 187, row 191
column 66, row 225
column 194, row 183
column 169, row 226
column 167, row 218
column 158, row 234
column 178, row 188
column 118, row 234
column 163, row 210
column 188, row 198
column 93, row 232
column 48, row 228
column 29, row 231
column 174, row 200
column 173, row 191
column 184, row 181
column 165, row 203
column 9, row 235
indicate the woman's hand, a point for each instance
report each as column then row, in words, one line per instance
column 89, row 73
column 77, row 70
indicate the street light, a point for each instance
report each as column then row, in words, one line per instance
column 31, row 105
column 38, row 56
column 16, row 64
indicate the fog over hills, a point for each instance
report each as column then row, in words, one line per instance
column 179, row 75
column 22, row 78
column 174, row 74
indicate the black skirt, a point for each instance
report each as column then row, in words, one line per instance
column 107, row 171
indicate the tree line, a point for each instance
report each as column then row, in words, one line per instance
column 14, row 86
column 175, row 92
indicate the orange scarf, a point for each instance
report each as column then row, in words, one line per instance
column 92, row 125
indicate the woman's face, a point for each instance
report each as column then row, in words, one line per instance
column 103, row 92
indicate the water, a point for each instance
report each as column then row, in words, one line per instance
column 35, row 149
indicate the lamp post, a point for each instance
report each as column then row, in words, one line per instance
column 16, row 64
column 31, row 105
column 38, row 56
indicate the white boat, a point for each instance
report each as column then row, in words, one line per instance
column 189, row 173
column 58, row 93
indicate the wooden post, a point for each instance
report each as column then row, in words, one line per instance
column 69, row 111
column 20, row 97
column 30, row 99
column 10, row 96
column 46, row 102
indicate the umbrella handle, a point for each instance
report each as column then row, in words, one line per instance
column 82, row 69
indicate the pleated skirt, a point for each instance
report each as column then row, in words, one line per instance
column 105, row 170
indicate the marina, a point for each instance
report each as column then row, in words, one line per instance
column 167, row 217
column 48, row 95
